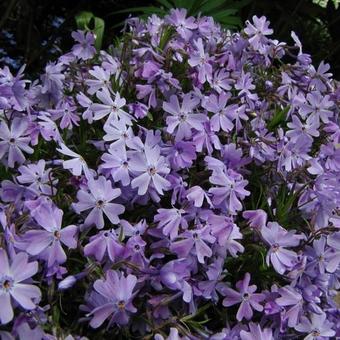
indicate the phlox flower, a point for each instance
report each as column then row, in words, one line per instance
column 14, row 141
column 13, row 274
column 116, row 291
column 150, row 167
column 182, row 118
column 47, row 241
column 99, row 199
column 245, row 295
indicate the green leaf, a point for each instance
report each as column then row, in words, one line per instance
column 85, row 20
column 230, row 22
column 166, row 36
column 240, row 4
column 142, row 9
column 165, row 3
column 184, row 3
column 149, row 115
column 278, row 118
column 209, row 6
column 99, row 27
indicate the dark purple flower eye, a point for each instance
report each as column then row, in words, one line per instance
column 57, row 234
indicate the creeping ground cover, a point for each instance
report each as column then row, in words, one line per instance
column 183, row 184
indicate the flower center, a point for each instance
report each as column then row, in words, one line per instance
column 100, row 204
column 246, row 296
column 6, row 283
column 182, row 117
column 152, row 170
column 121, row 304
column 12, row 140
column 275, row 247
column 57, row 234
column 316, row 332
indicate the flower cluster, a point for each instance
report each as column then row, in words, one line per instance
column 184, row 184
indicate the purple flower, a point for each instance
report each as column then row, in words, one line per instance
column 150, row 168
column 86, row 103
column 227, row 233
column 102, row 243
column 278, row 238
column 139, row 110
column 119, row 133
column 47, row 242
column 178, row 157
column 196, row 239
column 147, row 92
column 128, row 229
column 110, row 107
column 39, row 179
column 317, row 108
column 174, row 275
column 118, row 163
column 229, row 191
column 317, row 327
column 169, row 220
column 53, row 79
column 183, row 25
column 201, row 60
column 48, row 128
column 322, row 257
column 309, row 129
column 101, row 81
column 257, row 31
column 221, row 81
column 224, row 115
column 99, row 198
column 331, row 153
column 77, row 165
column 183, row 117
column 12, row 284
column 206, row 140
column 134, row 251
column 320, row 77
column 256, row 218
column 245, row 295
column 117, row 293
column 255, row 332
column 245, row 84
column 173, row 335
column 67, row 112
column 197, row 195
column 14, row 141
column 182, row 154
column 84, row 49
column 295, row 154
column 290, row 297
